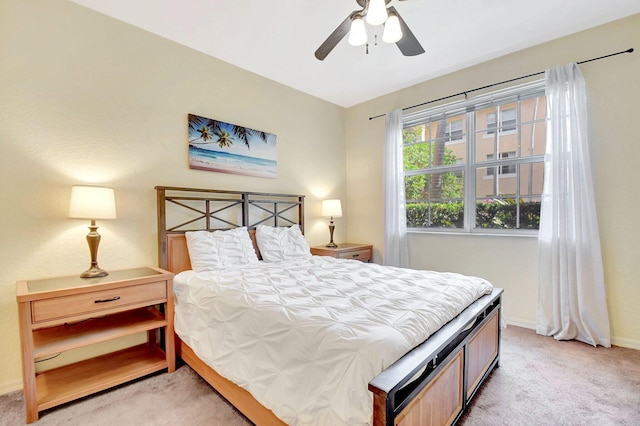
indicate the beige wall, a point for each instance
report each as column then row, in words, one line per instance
column 511, row 262
column 85, row 98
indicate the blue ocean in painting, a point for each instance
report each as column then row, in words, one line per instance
column 234, row 163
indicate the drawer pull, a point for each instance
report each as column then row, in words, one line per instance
column 356, row 255
column 113, row 299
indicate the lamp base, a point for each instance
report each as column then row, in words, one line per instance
column 331, row 243
column 93, row 239
column 93, row 272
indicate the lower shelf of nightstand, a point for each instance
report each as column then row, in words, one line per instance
column 64, row 384
column 52, row 340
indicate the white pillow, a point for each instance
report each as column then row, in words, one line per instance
column 220, row 249
column 281, row 243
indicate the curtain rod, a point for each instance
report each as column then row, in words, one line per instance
column 502, row 82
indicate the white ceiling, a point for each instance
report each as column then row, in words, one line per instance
column 277, row 38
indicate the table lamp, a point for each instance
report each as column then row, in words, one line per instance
column 92, row 202
column 331, row 208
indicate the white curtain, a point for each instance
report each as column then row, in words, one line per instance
column 395, row 222
column 571, row 292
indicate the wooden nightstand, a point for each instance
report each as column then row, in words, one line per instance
column 362, row 252
column 60, row 314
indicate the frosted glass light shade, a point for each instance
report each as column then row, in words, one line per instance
column 377, row 13
column 92, row 202
column 392, row 31
column 331, row 208
column 358, row 33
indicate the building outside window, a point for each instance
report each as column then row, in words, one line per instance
column 485, row 181
column 502, row 170
column 454, row 131
column 508, row 121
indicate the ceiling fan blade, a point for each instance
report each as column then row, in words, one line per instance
column 408, row 44
column 335, row 37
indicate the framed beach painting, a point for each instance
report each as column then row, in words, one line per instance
column 228, row 148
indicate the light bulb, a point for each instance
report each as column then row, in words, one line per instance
column 392, row 31
column 358, row 33
column 377, row 12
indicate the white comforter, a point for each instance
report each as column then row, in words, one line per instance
column 305, row 337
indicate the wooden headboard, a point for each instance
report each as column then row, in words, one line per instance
column 192, row 209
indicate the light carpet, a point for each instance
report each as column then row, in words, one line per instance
column 540, row 382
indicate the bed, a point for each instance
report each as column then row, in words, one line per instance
column 431, row 384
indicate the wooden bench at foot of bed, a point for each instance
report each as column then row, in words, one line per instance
column 434, row 383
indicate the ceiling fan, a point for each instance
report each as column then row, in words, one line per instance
column 375, row 12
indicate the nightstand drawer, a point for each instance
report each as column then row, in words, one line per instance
column 364, row 255
column 96, row 301
column 361, row 252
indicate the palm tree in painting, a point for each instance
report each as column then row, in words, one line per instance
column 224, row 138
column 194, row 121
column 208, row 128
column 205, row 135
column 197, row 124
column 245, row 134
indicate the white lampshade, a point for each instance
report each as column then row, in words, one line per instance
column 358, row 33
column 92, row 202
column 331, row 208
column 392, row 31
column 377, row 12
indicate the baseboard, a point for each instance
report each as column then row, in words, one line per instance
column 615, row 341
column 625, row 343
column 523, row 324
column 11, row 386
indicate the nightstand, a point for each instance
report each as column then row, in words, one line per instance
column 60, row 314
column 362, row 252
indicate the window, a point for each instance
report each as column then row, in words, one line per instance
column 454, row 131
column 503, row 170
column 508, row 121
column 485, row 181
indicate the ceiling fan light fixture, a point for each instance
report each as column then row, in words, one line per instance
column 377, row 12
column 392, row 31
column 395, row 31
column 358, row 33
